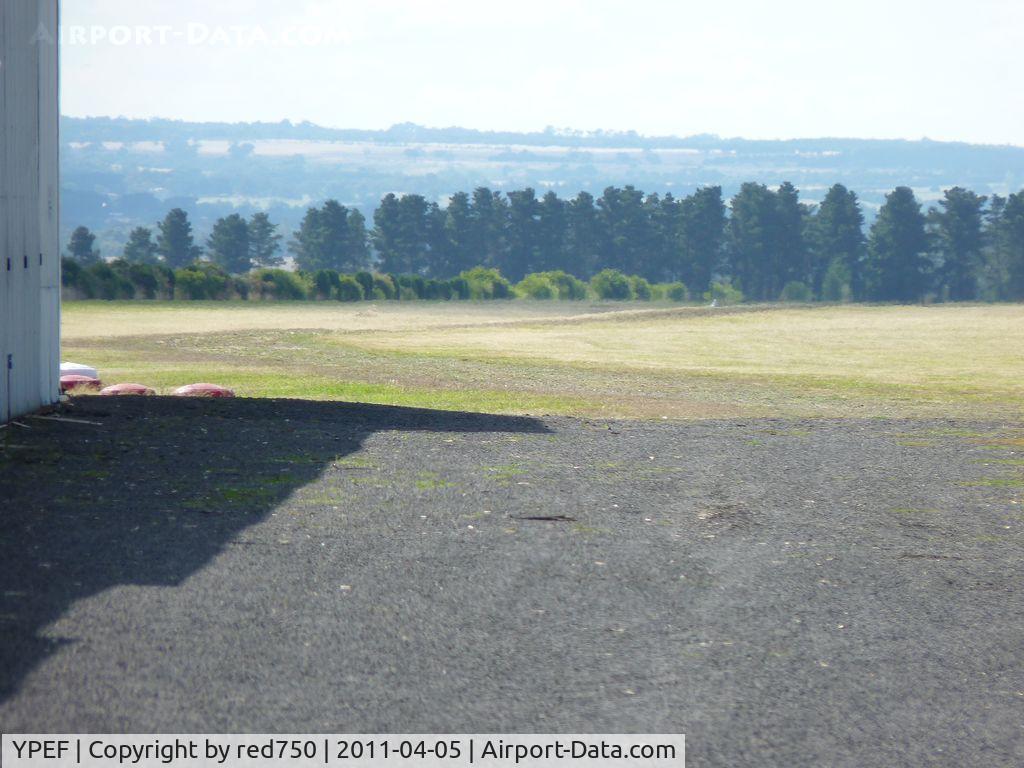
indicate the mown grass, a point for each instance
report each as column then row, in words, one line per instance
column 92, row 319
column 582, row 359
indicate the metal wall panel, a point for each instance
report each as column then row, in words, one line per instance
column 48, row 213
column 30, row 258
column 5, row 319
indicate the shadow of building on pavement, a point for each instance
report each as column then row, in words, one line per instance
column 155, row 488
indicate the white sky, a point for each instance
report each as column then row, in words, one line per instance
column 945, row 69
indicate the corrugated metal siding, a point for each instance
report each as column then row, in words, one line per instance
column 30, row 258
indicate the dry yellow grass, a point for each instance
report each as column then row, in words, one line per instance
column 969, row 348
column 948, row 360
column 92, row 319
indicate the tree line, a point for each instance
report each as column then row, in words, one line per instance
column 764, row 242
column 204, row 280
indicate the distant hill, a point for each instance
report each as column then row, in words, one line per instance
column 117, row 173
column 123, row 129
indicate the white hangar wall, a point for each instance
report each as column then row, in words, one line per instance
column 29, row 247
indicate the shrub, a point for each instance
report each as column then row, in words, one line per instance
column 836, row 284
column 437, row 289
column 611, row 284
column 201, row 280
column 326, row 283
column 674, row 291
column 190, row 283
column 501, row 289
column 384, row 287
column 723, row 293
column 151, row 280
column 75, row 280
column 410, row 287
column 486, row 283
column 110, row 281
column 117, row 279
column 144, row 282
column 569, row 287
column 261, row 284
column 459, row 288
column 165, row 280
column 365, row 280
column 270, row 283
column 537, row 286
column 70, row 272
column 349, row 289
column 641, row 288
column 552, row 285
column 794, row 290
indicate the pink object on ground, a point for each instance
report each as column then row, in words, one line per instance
column 127, row 389
column 204, row 390
column 71, row 381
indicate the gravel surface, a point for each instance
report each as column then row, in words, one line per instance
column 787, row 593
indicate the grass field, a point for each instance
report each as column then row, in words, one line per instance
column 574, row 358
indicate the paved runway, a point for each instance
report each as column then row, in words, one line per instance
column 841, row 593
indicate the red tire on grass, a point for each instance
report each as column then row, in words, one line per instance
column 203, row 390
column 72, row 381
column 127, row 389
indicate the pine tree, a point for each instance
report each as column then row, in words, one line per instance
column 331, row 237
column 1007, row 246
column 897, row 264
column 458, row 226
column 264, row 242
column 703, row 237
column 80, row 246
column 306, row 244
column 625, row 229
column 413, row 227
column 582, row 236
column 403, row 233
column 438, row 254
column 386, row 235
column 752, row 239
column 357, row 255
column 788, row 251
column 836, row 236
column 958, row 230
column 140, row 248
column 334, row 235
column 489, row 225
column 175, row 241
column 522, row 235
column 228, row 244
column 551, row 233
column 661, row 248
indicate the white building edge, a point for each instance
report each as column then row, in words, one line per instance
column 29, row 196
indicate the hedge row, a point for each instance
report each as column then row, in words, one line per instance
column 120, row 279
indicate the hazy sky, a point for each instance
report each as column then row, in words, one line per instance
column 946, row 69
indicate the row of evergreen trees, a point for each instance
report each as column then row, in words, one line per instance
column 965, row 248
